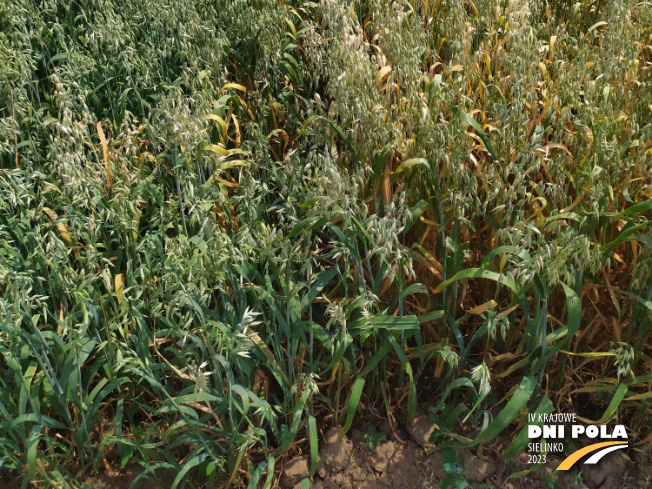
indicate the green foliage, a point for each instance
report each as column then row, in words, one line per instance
column 373, row 437
column 218, row 226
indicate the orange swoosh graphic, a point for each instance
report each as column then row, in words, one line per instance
column 574, row 457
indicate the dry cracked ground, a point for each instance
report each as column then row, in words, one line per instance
column 407, row 461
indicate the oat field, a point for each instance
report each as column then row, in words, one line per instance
column 228, row 226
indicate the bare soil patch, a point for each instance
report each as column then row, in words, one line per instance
column 406, row 461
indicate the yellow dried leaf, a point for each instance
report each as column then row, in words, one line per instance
column 238, row 137
column 50, row 213
column 219, row 120
column 292, row 28
column 483, row 307
column 105, row 152
column 596, row 25
column 224, row 182
column 542, row 68
column 487, row 62
column 61, row 227
column 220, row 150
column 558, row 146
column 237, row 86
column 383, row 74
column 136, row 222
column 119, row 287
column 503, row 262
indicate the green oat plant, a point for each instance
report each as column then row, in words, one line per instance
column 526, row 168
column 221, row 232
column 171, row 292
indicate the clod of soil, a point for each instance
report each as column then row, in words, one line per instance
column 325, row 484
column 477, row 469
column 332, row 435
column 382, row 456
column 606, row 473
column 335, row 454
column 295, row 471
column 350, row 464
column 421, row 430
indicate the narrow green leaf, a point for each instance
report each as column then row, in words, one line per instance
column 352, row 404
column 645, row 206
column 510, row 411
column 314, row 444
column 32, row 444
column 256, row 475
column 193, row 462
column 472, row 122
column 392, row 323
column 381, row 353
column 430, row 316
column 415, row 214
column 520, row 442
column 412, row 395
column 613, row 405
column 271, row 462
